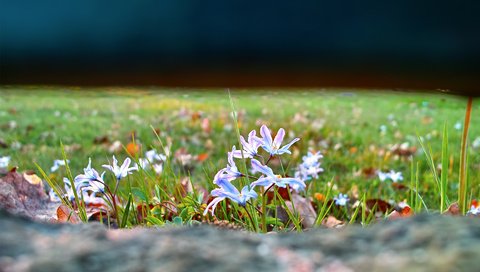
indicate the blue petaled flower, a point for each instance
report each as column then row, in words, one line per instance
column 273, row 146
column 4, row 161
column 310, row 167
column 341, row 199
column 227, row 190
column 270, row 178
column 232, row 170
column 57, row 164
column 122, row 171
column 91, row 177
column 250, row 148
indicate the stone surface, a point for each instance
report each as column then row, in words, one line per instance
column 19, row 196
column 419, row 243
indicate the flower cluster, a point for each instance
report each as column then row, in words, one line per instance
column 90, row 186
column 152, row 159
column 392, row 175
column 249, row 150
column 310, row 167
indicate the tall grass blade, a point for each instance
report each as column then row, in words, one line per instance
column 462, row 186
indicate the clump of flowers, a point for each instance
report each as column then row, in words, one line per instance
column 392, row 175
column 90, row 187
column 309, row 168
column 258, row 164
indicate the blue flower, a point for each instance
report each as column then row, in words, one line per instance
column 232, row 170
column 4, row 161
column 310, row 167
column 227, row 190
column 57, row 164
column 341, row 200
column 250, row 148
column 273, row 146
column 91, row 177
column 271, row 178
column 122, row 171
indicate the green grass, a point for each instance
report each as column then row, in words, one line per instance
column 344, row 125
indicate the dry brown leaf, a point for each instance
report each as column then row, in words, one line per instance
column 133, row 149
column 453, row 209
column 201, row 157
column 332, row 222
column 66, row 215
column 304, row 208
column 32, row 179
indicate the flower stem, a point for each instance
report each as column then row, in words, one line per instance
column 251, row 219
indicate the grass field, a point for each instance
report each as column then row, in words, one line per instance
column 358, row 133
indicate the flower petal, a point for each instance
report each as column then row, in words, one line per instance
column 267, row 136
column 257, row 166
column 277, row 142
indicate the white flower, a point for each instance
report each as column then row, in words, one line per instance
column 458, row 126
column 341, row 200
column 4, row 161
column 57, row 164
column 122, row 171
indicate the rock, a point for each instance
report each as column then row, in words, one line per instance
column 19, row 196
column 418, row 243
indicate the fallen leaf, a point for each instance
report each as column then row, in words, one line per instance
column 32, row 179
column 132, row 149
column 304, row 209
column 453, row 209
column 101, row 140
column 332, row 222
column 66, row 215
column 283, row 192
column 380, row 205
column 201, row 157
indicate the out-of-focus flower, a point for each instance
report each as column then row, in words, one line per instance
column 341, row 200
column 153, row 156
column 122, row 171
column 310, row 167
column 91, row 177
column 473, row 210
column 227, row 190
column 396, row 176
column 273, row 146
column 250, row 148
column 458, row 126
column 270, row 178
column 476, row 143
column 57, row 164
column 4, row 161
column 392, row 175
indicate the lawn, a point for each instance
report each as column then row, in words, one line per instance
column 358, row 134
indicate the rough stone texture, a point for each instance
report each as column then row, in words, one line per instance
column 419, row 243
column 19, row 196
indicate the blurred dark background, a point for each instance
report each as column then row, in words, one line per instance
column 385, row 44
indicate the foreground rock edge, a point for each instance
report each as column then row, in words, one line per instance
column 420, row 243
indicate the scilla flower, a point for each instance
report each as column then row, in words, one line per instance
column 122, row 171
column 231, row 170
column 4, row 161
column 57, row 164
column 341, row 200
column 250, row 148
column 271, row 178
column 227, row 190
column 273, row 146
column 91, row 177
